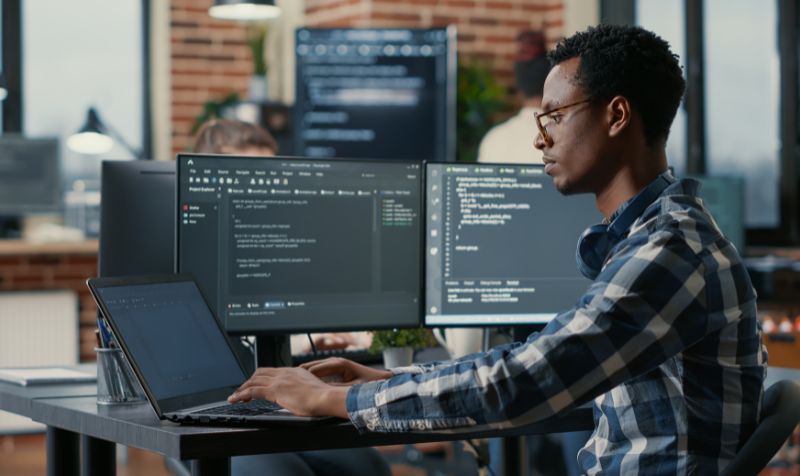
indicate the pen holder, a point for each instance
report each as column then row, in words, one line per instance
column 116, row 383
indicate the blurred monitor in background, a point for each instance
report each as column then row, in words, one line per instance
column 375, row 93
column 29, row 180
column 724, row 198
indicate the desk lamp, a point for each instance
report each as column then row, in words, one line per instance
column 95, row 137
column 244, row 10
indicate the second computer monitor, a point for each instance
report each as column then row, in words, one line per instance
column 287, row 244
column 500, row 245
column 376, row 92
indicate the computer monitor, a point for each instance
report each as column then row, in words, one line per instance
column 724, row 198
column 137, row 218
column 500, row 245
column 29, row 175
column 137, row 224
column 387, row 93
column 282, row 245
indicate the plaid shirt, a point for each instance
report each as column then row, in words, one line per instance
column 665, row 341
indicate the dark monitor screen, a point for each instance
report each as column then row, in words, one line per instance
column 137, row 218
column 289, row 244
column 29, row 175
column 500, row 245
column 724, row 198
column 366, row 93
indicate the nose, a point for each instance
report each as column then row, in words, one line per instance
column 539, row 141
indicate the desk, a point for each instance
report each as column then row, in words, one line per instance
column 71, row 413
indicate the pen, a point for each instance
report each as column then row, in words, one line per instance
column 105, row 334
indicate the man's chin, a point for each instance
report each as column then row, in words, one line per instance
column 566, row 188
column 563, row 187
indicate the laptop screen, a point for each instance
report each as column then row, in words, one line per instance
column 173, row 338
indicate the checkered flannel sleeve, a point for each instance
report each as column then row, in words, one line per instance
column 648, row 304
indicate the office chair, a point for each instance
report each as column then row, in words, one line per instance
column 780, row 413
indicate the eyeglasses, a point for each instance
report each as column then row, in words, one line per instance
column 544, row 119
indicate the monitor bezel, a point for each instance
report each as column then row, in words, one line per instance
column 180, row 163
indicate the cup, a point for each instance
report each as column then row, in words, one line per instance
column 116, row 383
column 459, row 341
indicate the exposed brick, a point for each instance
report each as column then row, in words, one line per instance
column 482, row 21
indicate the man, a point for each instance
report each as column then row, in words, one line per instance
column 510, row 141
column 665, row 340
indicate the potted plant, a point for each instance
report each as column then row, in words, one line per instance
column 256, row 41
column 479, row 98
column 214, row 108
column 398, row 345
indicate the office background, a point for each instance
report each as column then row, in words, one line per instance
column 151, row 67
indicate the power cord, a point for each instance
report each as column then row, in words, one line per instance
column 313, row 347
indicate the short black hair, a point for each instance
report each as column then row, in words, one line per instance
column 531, row 64
column 530, row 76
column 627, row 61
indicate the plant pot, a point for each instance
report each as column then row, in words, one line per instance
column 258, row 88
column 398, row 357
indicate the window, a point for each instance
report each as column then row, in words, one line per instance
column 741, row 101
column 90, row 60
column 665, row 18
column 744, row 111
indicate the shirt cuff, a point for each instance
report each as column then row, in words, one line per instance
column 361, row 406
column 411, row 369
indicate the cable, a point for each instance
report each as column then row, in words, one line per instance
column 313, row 347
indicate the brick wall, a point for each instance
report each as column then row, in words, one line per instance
column 487, row 29
column 210, row 59
column 30, row 268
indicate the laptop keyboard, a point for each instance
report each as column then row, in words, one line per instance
column 359, row 355
column 253, row 407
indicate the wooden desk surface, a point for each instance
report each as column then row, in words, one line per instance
column 22, row 247
column 19, row 399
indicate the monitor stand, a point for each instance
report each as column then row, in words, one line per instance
column 273, row 351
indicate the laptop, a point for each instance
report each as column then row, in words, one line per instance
column 179, row 352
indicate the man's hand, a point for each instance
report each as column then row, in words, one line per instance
column 296, row 390
column 347, row 371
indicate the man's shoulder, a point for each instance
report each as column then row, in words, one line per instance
column 681, row 219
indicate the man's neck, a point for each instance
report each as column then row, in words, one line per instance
column 629, row 181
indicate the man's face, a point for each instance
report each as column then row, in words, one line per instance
column 577, row 138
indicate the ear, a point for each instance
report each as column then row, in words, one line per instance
column 618, row 115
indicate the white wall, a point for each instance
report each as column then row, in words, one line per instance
column 79, row 53
column 579, row 15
